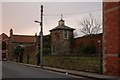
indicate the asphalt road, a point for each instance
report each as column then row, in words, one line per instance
column 15, row 70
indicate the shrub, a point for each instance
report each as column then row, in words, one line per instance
column 87, row 50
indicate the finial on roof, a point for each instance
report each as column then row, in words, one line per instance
column 61, row 22
column 61, row 16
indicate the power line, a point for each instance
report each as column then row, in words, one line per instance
column 74, row 13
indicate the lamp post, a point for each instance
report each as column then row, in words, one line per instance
column 41, row 35
column 100, row 55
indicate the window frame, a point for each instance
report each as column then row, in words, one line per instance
column 65, row 34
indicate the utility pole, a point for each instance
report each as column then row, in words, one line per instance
column 41, row 37
column 40, row 50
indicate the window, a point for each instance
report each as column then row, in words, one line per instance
column 65, row 34
column 3, row 45
column 53, row 49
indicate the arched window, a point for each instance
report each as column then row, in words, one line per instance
column 3, row 45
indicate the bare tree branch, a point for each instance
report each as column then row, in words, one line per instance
column 90, row 25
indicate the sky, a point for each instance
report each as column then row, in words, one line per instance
column 20, row 16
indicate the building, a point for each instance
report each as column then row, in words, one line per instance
column 64, row 43
column 61, row 39
column 4, row 45
column 111, row 38
column 9, row 44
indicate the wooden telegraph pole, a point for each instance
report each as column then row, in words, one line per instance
column 40, row 48
column 41, row 37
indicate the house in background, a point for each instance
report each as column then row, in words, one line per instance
column 4, row 46
column 28, row 42
column 9, row 44
column 61, row 39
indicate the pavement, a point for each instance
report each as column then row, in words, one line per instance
column 73, row 72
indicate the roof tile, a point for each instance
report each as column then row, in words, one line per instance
column 23, row 38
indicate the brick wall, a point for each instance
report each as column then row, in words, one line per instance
column 32, row 52
column 87, row 41
column 119, row 38
column 61, row 46
column 111, row 38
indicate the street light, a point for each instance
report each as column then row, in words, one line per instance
column 41, row 35
column 40, row 49
column 37, row 22
column 100, row 55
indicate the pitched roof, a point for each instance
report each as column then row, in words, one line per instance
column 62, row 28
column 23, row 38
column 3, row 36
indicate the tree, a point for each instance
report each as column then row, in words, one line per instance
column 19, row 53
column 75, row 33
column 90, row 25
column 87, row 50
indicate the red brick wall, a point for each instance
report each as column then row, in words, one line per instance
column 111, row 38
column 112, row 66
column 119, row 38
column 87, row 40
column 111, row 5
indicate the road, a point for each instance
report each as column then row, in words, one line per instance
column 15, row 70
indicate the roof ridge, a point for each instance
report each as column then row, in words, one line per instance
column 63, row 27
column 24, row 35
column 4, row 34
